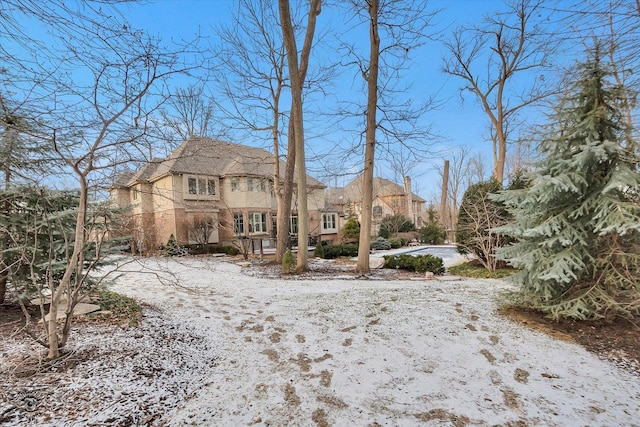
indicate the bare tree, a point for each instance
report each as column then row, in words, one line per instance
column 93, row 87
column 459, row 170
column 200, row 229
column 396, row 28
column 491, row 58
column 253, row 77
column 188, row 112
column 297, row 74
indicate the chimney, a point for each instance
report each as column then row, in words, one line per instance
column 409, row 197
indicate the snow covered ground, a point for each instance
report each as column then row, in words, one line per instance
column 278, row 351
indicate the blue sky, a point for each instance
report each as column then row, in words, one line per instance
column 459, row 123
column 456, row 122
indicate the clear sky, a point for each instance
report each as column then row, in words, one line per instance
column 457, row 123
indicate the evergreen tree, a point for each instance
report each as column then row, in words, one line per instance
column 577, row 227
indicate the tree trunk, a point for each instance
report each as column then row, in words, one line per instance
column 297, row 74
column 73, row 265
column 370, row 141
column 4, row 272
column 284, row 208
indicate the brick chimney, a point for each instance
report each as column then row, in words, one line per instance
column 409, row 197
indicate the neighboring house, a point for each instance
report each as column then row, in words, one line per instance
column 389, row 199
column 227, row 186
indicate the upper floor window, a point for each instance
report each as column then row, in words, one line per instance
column 377, row 211
column 256, row 185
column 134, row 194
column 329, row 221
column 293, row 225
column 201, row 186
column 235, row 184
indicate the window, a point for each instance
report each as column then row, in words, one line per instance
column 134, row 195
column 238, row 223
column 211, row 187
column 235, row 184
column 193, row 185
column 377, row 211
column 329, row 221
column 293, row 225
column 257, row 222
column 201, row 186
column 256, row 185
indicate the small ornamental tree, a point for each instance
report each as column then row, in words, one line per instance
column 477, row 216
column 200, row 229
column 393, row 224
column 432, row 232
column 577, row 226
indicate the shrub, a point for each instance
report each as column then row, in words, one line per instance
column 478, row 215
column 230, row 250
column 394, row 224
column 288, row 263
column 397, row 242
column 419, row 263
column 380, row 244
column 173, row 249
column 432, row 232
column 351, row 230
column 328, row 251
column 123, row 308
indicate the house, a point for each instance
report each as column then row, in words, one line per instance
column 389, row 199
column 222, row 189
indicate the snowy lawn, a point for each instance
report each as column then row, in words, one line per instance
column 280, row 351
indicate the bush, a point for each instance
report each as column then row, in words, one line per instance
column 419, row 263
column 397, row 242
column 478, row 215
column 380, row 244
column 173, row 249
column 351, row 230
column 230, row 250
column 328, row 251
column 288, row 263
column 394, row 224
column 433, row 234
column 123, row 308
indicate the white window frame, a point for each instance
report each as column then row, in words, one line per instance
column 257, row 222
column 199, row 187
column 236, row 184
column 293, row 224
column 329, row 221
column 256, row 185
column 238, row 223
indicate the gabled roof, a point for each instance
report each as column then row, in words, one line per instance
column 204, row 156
column 381, row 188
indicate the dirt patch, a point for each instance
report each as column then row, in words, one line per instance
column 617, row 341
column 290, row 395
column 325, row 378
column 271, row 354
column 332, row 401
column 443, row 415
column 319, row 417
column 275, row 337
column 486, row 353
